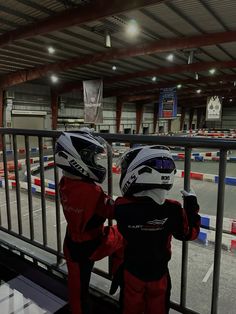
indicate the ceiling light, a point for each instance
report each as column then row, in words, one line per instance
column 114, row 68
column 223, row 97
column 51, row 50
column 196, row 76
column 179, row 86
column 132, row 28
column 231, row 100
column 170, row 57
column 199, row 91
column 154, row 78
column 234, row 83
column 54, row 78
column 107, row 40
column 212, row 71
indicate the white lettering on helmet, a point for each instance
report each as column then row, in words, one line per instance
column 129, row 182
column 165, row 179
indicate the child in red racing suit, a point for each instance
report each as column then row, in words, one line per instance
column 86, row 208
column 147, row 221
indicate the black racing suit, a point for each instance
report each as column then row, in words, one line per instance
column 147, row 228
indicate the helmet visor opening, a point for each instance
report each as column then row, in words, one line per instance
column 92, row 156
column 162, row 164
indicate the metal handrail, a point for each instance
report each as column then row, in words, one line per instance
column 177, row 141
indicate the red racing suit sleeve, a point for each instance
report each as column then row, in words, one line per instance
column 105, row 206
column 188, row 222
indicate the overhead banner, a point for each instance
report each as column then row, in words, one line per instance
column 93, row 90
column 168, row 103
column 214, row 108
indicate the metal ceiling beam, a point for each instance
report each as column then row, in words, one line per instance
column 165, row 84
column 194, row 67
column 115, row 54
column 97, row 9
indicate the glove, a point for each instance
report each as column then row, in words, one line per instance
column 190, row 193
column 86, row 130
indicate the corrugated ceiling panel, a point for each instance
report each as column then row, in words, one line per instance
column 199, row 15
column 226, row 10
column 172, row 18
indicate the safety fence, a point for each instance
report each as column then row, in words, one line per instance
column 33, row 183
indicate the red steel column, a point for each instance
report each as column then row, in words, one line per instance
column 1, row 114
column 155, row 116
column 139, row 116
column 191, row 114
column 183, row 111
column 119, row 107
column 199, row 117
column 54, row 109
column 169, row 125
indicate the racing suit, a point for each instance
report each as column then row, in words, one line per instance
column 85, row 208
column 147, row 228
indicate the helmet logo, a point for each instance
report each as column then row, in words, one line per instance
column 74, row 164
column 165, row 179
column 129, row 182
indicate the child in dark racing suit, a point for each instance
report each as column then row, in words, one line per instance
column 147, row 221
column 86, row 208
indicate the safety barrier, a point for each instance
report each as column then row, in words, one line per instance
column 187, row 143
column 206, row 235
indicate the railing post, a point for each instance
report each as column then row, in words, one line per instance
column 43, row 202
column 109, row 189
column 29, row 184
column 18, row 198
column 184, row 268
column 57, row 204
column 219, row 230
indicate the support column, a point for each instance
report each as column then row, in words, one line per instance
column 1, row 115
column 199, row 118
column 183, row 112
column 54, row 109
column 191, row 114
column 139, row 116
column 155, row 116
column 119, row 107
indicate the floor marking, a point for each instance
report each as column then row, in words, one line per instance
column 34, row 211
column 62, row 222
column 210, row 270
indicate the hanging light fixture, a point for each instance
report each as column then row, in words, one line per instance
column 107, row 40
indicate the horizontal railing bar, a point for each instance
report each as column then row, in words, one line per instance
column 144, row 139
column 171, row 140
column 35, row 243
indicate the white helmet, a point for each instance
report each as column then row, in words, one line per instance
column 145, row 168
column 77, row 153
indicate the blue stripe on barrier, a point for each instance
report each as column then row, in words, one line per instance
column 33, row 150
column 51, row 186
column 1, row 183
column 228, row 180
column 45, row 158
column 8, row 152
column 232, row 158
column 33, row 189
column 198, row 158
column 195, row 154
column 205, row 222
column 175, row 157
column 202, row 237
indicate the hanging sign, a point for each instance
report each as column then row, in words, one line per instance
column 168, row 103
column 93, row 90
column 214, row 108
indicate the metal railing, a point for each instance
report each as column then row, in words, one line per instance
column 187, row 142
